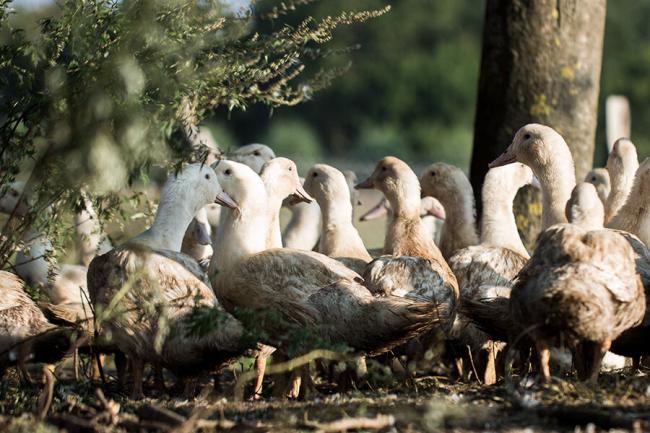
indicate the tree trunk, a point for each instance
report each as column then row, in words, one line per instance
column 541, row 62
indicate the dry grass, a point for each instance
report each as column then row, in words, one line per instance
column 621, row 402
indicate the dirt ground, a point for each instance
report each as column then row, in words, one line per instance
column 620, row 402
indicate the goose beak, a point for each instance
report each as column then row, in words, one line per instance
column 376, row 212
column 438, row 212
column 300, row 195
column 507, row 157
column 366, row 184
column 224, row 200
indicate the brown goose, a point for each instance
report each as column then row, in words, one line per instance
column 579, row 288
column 413, row 265
column 145, row 290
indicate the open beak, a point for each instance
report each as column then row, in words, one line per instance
column 376, row 212
column 507, row 157
column 366, row 184
column 224, row 200
column 300, row 195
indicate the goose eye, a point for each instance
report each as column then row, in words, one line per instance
column 383, row 168
column 256, row 153
column 228, row 172
column 290, row 168
column 314, row 174
column 433, row 173
column 593, row 178
column 526, row 136
column 14, row 193
column 207, row 176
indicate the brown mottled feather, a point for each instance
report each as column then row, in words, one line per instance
column 579, row 286
column 22, row 323
column 166, row 287
column 316, row 292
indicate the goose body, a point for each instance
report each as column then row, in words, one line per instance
column 147, row 290
column 407, row 247
column 580, row 288
column 306, row 290
column 25, row 333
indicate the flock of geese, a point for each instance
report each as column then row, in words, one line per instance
column 216, row 251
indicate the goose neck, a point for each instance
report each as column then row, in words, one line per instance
column 557, row 181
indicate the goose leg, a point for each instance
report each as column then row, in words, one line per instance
column 121, row 364
column 260, row 369
column 490, row 372
column 137, row 369
column 23, row 354
column 96, row 363
column 158, row 378
column 544, row 357
column 593, row 354
column 307, row 387
column 296, row 379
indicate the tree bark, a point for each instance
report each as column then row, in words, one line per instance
column 541, row 62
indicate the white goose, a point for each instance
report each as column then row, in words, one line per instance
column 145, row 290
column 486, row 271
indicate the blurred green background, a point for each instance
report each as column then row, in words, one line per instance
column 411, row 85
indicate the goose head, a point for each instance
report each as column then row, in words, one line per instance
column 254, row 155
column 505, row 181
column 431, row 206
column 195, row 186
column 623, row 159
column 241, row 183
column 327, row 185
column 537, row 146
column 280, row 175
column 14, row 199
column 585, row 208
column 352, row 179
column 446, row 182
column 599, row 177
column 396, row 180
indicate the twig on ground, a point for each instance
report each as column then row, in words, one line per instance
column 358, row 423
